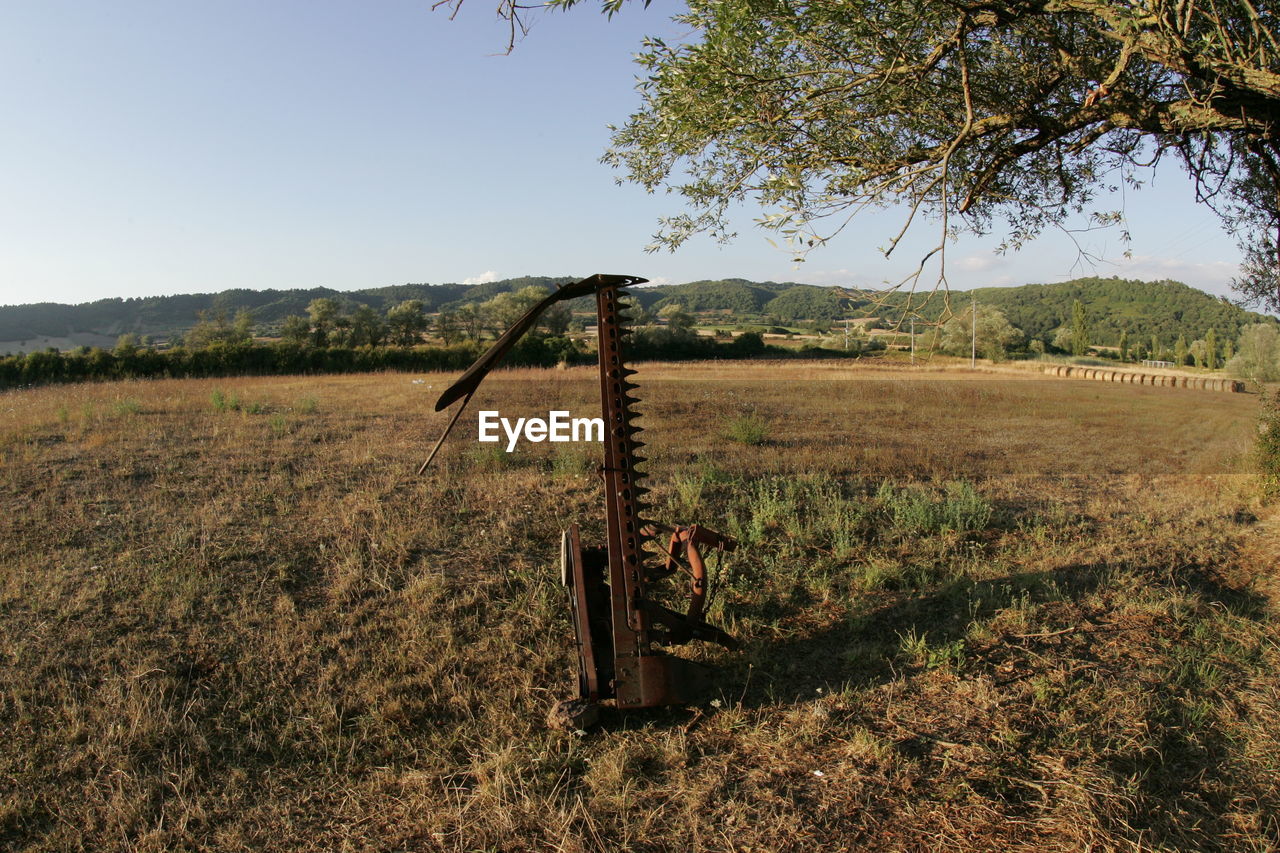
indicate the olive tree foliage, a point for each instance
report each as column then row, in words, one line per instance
column 295, row 330
column 213, row 328
column 501, row 311
column 1198, row 352
column 995, row 335
column 982, row 116
column 406, row 323
column 323, row 314
column 364, row 328
column 1257, row 355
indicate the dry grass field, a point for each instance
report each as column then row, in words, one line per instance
column 979, row 613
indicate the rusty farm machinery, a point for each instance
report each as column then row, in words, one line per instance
column 621, row 628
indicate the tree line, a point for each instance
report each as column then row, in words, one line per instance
column 329, row 340
column 993, row 336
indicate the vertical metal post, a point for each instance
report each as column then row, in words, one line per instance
column 626, row 575
column 913, row 340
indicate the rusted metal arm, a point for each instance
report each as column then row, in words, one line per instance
column 466, row 384
column 473, row 375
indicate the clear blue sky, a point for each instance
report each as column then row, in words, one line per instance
column 192, row 146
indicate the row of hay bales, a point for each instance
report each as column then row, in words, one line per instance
column 1103, row 374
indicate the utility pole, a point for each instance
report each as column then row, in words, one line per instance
column 973, row 354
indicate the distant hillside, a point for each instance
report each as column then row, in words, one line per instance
column 787, row 302
column 733, row 295
column 1166, row 309
column 161, row 316
column 27, row 327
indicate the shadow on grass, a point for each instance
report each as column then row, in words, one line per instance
column 1181, row 779
column 866, row 649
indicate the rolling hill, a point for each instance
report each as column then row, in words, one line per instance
column 1165, row 309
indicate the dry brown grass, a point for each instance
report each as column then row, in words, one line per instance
column 255, row 629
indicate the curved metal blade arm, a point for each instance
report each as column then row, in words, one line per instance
column 445, row 434
column 472, row 377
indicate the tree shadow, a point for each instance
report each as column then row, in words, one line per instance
column 867, row 649
column 1182, row 781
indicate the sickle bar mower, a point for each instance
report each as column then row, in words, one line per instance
column 620, row 628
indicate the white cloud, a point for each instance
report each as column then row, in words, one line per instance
column 840, row 278
column 484, row 277
column 1212, row 276
column 978, row 263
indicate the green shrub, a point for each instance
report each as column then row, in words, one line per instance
column 772, row 505
column 222, row 403
column 916, row 510
column 126, row 406
column 963, row 509
column 490, row 457
column 748, row 429
column 573, row 462
column 915, row 649
column 687, row 487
